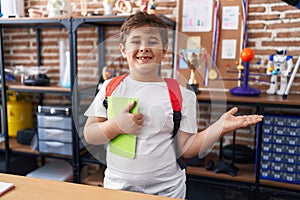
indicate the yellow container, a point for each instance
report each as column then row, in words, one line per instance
column 19, row 114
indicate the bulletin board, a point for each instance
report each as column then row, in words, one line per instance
column 230, row 36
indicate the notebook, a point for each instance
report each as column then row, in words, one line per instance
column 124, row 144
column 4, row 187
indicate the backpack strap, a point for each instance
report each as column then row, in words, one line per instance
column 176, row 101
column 111, row 86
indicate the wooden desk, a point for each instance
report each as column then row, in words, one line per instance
column 27, row 188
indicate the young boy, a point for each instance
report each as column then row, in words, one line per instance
column 154, row 169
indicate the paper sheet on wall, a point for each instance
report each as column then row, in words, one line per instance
column 228, row 49
column 197, row 15
column 193, row 42
column 230, row 17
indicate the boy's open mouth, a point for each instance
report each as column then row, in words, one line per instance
column 144, row 57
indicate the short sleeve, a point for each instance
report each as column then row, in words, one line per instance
column 188, row 122
column 96, row 109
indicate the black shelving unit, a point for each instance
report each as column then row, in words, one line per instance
column 71, row 25
column 248, row 184
column 37, row 25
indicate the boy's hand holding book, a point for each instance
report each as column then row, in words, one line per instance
column 129, row 123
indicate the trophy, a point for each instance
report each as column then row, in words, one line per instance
column 192, row 64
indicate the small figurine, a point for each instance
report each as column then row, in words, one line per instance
column 68, row 8
column 143, row 5
column 54, row 7
column 279, row 64
column 151, row 8
column 123, row 7
column 58, row 8
column 108, row 7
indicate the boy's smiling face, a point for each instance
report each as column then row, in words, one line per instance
column 144, row 50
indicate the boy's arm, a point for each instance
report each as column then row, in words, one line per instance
column 195, row 144
column 98, row 130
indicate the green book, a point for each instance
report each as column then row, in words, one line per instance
column 124, row 144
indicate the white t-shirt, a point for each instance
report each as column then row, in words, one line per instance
column 154, row 169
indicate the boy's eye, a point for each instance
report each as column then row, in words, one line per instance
column 153, row 42
column 135, row 42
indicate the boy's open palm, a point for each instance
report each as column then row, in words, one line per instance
column 232, row 122
column 129, row 123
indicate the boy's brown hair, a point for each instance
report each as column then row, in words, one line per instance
column 142, row 19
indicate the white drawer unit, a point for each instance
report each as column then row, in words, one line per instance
column 55, row 130
column 56, row 147
column 54, row 122
column 59, row 135
column 58, row 117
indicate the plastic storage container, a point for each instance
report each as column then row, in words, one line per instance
column 280, row 160
column 55, row 130
column 19, row 114
column 58, row 117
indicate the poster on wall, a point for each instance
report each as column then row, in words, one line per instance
column 230, row 18
column 228, row 49
column 197, row 15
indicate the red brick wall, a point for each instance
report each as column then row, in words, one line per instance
column 274, row 24
column 271, row 24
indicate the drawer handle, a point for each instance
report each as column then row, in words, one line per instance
column 54, row 132
column 54, row 144
column 53, row 118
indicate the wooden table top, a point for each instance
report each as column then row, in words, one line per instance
column 27, row 188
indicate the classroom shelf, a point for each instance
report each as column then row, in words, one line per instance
column 39, row 89
column 245, row 174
